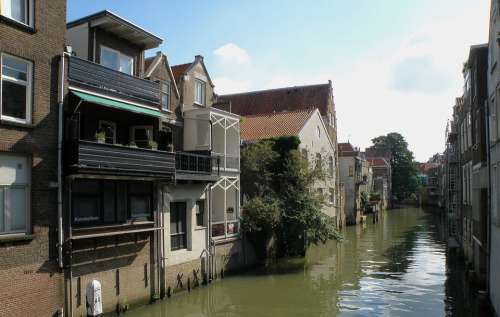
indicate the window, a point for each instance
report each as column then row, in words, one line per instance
column 109, row 129
column 330, row 166
column 318, row 132
column 199, row 92
column 469, row 130
column 14, row 194
column 200, row 213
column 98, row 202
column 16, row 82
column 115, row 60
column 351, row 171
column 165, row 96
column 318, row 161
column 18, row 10
column 332, row 196
column 140, row 200
column 493, row 121
column 225, row 208
column 178, row 234
column 305, row 155
column 141, row 135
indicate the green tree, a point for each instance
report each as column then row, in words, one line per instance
column 278, row 181
column 404, row 168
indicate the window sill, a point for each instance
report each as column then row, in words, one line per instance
column 16, row 124
column 198, row 104
column 198, row 228
column 117, row 226
column 16, row 237
column 18, row 25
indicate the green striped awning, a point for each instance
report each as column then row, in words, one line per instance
column 116, row 104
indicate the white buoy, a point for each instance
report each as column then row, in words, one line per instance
column 94, row 298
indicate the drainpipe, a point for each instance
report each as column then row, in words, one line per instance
column 488, row 213
column 59, row 161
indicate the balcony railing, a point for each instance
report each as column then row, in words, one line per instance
column 196, row 163
column 102, row 158
column 84, row 73
column 228, row 162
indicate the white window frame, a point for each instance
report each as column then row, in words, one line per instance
column 165, row 93
column 6, row 189
column 145, row 127
column 199, row 100
column 29, row 89
column 29, row 13
column 120, row 54
column 110, row 123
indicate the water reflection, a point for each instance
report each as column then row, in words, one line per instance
column 398, row 267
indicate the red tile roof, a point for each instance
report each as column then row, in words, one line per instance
column 179, row 70
column 346, row 149
column 266, row 126
column 378, row 162
column 280, row 99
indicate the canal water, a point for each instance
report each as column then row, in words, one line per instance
column 398, row 267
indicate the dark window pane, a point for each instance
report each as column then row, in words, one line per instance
column 178, row 234
column 139, row 206
column 218, row 230
column 108, row 190
column 85, row 208
column 13, row 100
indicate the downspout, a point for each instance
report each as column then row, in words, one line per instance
column 59, row 162
column 488, row 209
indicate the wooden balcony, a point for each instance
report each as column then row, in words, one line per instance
column 100, row 158
column 95, row 77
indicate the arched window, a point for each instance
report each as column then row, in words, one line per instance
column 318, row 160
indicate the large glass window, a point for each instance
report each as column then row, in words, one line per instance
column 16, row 82
column 116, row 60
column 18, row 10
column 178, row 228
column 225, row 208
column 97, row 202
column 140, row 200
column 14, row 194
column 199, row 92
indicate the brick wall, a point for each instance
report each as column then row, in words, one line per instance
column 124, row 266
column 28, row 270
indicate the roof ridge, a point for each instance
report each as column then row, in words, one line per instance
column 274, row 89
column 268, row 114
column 178, row 65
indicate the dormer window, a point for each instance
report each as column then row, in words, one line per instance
column 199, row 92
column 18, row 10
column 116, row 60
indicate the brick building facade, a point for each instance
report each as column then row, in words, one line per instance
column 30, row 46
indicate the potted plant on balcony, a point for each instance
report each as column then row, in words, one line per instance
column 152, row 145
column 100, row 136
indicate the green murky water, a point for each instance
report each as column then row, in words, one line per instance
column 398, row 267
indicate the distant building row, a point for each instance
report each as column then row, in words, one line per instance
column 468, row 180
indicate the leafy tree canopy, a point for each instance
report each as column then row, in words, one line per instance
column 405, row 182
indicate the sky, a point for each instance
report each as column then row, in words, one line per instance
column 395, row 65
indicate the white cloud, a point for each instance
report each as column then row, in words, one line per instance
column 226, row 85
column 370, row 104
column 232, row 53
